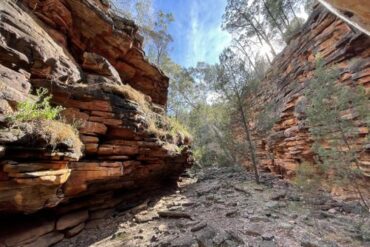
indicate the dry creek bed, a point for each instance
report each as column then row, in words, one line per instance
column 224, row 207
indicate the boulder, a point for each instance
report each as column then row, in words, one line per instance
column 72, row 219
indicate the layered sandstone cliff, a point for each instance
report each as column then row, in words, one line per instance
column 355, row 12
column 288, row 145
column 92, row 63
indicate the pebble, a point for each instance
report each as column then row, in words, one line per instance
column 256, row 220
column 286, row 226
column 332, row 210
column 187, row 204
column 268, row 236
column 198, row 227
column 231, row 213
column 162, row 227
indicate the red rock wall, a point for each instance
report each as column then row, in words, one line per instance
column 354, row 12
column 85, row 26
column 288, row 144
column 76, row 48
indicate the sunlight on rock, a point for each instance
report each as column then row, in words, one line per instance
column 184, row 123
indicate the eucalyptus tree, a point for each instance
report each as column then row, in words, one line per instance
column 242, row 17
column 257, row 61
column 236, row 85
column 141, row 11
column 160, row 37
column 335, row 115
column 153, row 25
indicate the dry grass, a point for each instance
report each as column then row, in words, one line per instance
column 159, row 125
column 178, row 130
column 55, row 134
column 129, row 93
column 139, row 98
column 154, row 120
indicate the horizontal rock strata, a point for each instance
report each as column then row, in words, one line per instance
column 92, row 63
column 288, row 144
column 355, row 12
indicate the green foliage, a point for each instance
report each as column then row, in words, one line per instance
column 307, row 177
column 177, row 128
column 334, row 114
column 160, row 38
column 153, row 25
column 37, row 109
column 267, row 118
column 295, row 25
column 210, row 124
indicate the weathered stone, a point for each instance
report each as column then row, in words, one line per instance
column 107, row 121
column 198, row 227
column 255, row 229
column 14, row 87
column 118, row 45
column 74, row 114
column 26, row 233
column 89, row 139
column 145, row 217
column 91, row 148
column 75, row 230
column 93, row 128
column 355, row 12
column 100, row 214
column 101, row 66
column 95, row 224
column 117, row 150
column 46, row 240
column 71, row 220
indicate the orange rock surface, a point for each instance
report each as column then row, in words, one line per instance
column 76, row 49
column 283, row 149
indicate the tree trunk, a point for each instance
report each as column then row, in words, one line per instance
column 273, row 18
column 241, row 48
column 268, row 59
column 271, row 47
column 265, row 37
column 284, row 17
column 260, row 34
column 224, row 145
column 252, row 151
column 357, row 162
column 291, row 8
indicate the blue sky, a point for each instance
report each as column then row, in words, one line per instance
column 196, row 31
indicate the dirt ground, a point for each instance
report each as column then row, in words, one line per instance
column 224, row 207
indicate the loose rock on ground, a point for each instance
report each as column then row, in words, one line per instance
column 224, row 207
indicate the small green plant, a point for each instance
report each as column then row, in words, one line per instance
column 335, row 113
column 176, row 128
column 37, row 109
column 295, row 25
column 267, row 118
column 307, row 177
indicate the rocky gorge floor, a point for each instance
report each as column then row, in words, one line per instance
column 224, row 207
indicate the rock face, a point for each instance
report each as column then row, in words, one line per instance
column 356, row 12
column 288, row 144
column 92, row 63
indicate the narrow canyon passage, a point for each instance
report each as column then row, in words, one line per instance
column 224, row 207
column 109, row 136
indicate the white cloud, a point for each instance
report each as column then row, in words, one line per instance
column 206, row 40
